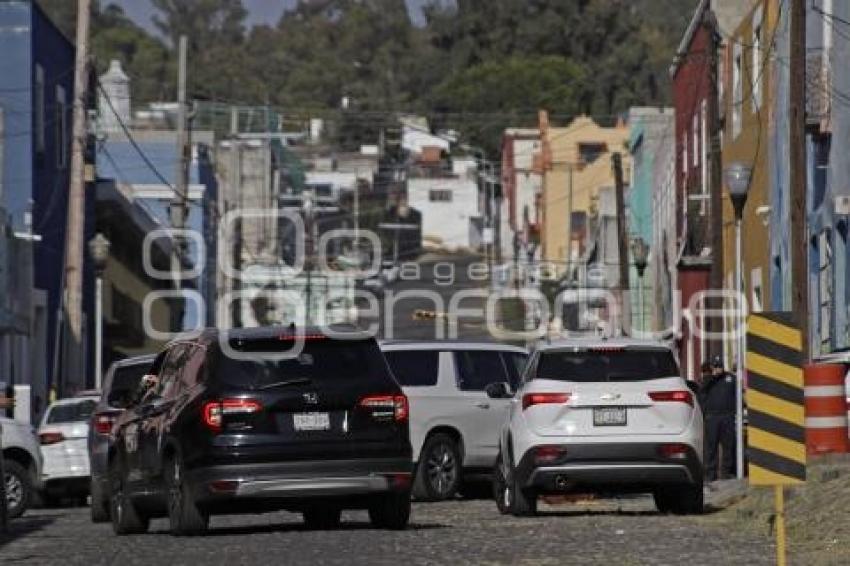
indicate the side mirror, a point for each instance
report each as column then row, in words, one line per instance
column 498, row 390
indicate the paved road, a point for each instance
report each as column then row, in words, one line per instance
column 459, row 532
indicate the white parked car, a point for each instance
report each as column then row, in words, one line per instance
column 455, row 417
column 63, row 435
column 610, row 416
column 21, row 465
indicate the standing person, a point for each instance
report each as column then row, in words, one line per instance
column 718, row 394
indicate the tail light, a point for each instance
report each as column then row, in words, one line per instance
column 394, row 406
column 549, row 454
column 675, row 450
column 673, row 397
column 47, row 438
column 214, row 411
column 530, row 399
column 103, row 422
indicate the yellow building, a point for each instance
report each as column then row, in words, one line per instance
column 576, row 163
column 746, row 98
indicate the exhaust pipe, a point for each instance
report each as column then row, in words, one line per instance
column 562, row 483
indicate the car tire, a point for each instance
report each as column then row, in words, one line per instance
column 185, row 517
column 501, row 494
column 438, row 474
column 680, row 500
column 19, row 490
column 99, row 503
column 322, row 517
column 390, row 511
column 519, row 501
column 126, row 518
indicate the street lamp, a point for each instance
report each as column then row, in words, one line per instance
column 99, row 250
column 738, row 176
column 640, row 253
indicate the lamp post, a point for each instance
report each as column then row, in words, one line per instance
column 640, row 253
column 99, row 250
column 738, row 177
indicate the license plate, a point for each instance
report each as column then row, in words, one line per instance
column 609, row 416
column 311, row 421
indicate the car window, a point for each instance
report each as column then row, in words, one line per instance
column 415, row 368
column 515, row 364
column 322, row 361
column 71, row 412
column 477, row 369
column 606, row 364
column 125, row 384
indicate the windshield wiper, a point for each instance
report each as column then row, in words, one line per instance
column 297, row 381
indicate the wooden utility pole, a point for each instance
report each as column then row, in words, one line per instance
column 715, row 172
column 622, row 245
column 179, row 203
column 797, row 119
column 75, row 233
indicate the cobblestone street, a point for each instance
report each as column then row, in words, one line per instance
column 459, row 532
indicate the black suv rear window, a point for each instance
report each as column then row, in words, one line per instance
column 602, row 365
column 321, row 361
column 416, row 368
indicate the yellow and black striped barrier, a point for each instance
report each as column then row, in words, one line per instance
column 776, row 433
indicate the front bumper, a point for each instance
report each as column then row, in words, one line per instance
column 616, row 467
column 294, row 480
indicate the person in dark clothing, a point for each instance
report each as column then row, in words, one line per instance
column 718, row 405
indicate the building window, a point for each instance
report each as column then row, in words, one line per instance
column 590, row 152
column 703, row 117
column 757, row 59
column 61, row 126
column 440, row 195
column 38, row 103
column 695, row 134
column 737, row 90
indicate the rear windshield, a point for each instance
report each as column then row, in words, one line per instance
column 606, row 365
column 71, row 412
column 415, row 368
column 125, row 384
column 321, row 361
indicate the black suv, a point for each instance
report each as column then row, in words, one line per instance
column 227, row 428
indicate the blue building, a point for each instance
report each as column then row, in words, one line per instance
column 36, row 98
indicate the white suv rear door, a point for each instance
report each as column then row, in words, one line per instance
column 608, row 393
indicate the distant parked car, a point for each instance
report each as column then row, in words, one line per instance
column 62, row 435
column 459, row 395
column 21, row 465
column 121, row 385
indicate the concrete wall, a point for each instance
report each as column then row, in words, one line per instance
column 446, row 223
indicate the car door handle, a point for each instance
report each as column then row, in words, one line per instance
column 482, row 405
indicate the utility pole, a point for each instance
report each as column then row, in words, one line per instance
column 715, row 164
column 74, row 236
column 797, row 120
column 179, row 203
column 622, row 245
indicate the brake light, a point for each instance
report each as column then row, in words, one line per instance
column 673, row 396
column 530, row 399
column 47, row 438
column 214, row 411
column 675, row 451
column 103, row 422
column 395, row 406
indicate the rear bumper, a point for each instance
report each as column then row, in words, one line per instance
column 294, row 480
column 618, row 467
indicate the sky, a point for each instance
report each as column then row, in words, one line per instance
column 261, row 11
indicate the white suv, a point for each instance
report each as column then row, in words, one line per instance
column 21, row 465
column 602, row 416
column 459, row 393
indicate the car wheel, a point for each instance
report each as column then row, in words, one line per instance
column 680, row 500
column 501, row 493
column 322, row 517
column 183, row 513
column 126, row 519
column 390, row 511
column 438, row 474
column 520, row 501
column 18, row 488
column 99, row 503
